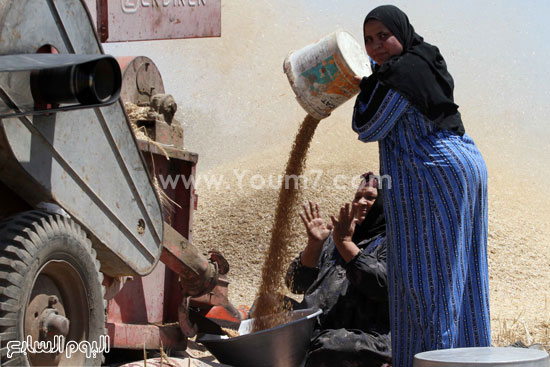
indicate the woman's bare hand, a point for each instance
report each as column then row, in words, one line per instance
column 316, row 228
column 317, row 232
column 342, row 233
column 344, row 227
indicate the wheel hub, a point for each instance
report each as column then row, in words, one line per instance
column 52, row 324
column 57, row 307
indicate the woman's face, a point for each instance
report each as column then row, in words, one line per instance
column 380, row 43
column 363, row 201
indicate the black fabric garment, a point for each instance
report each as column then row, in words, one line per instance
column 352, row 296
column 419, row 73
column 348, row 348
column 374, row 223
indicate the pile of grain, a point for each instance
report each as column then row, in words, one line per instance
column 236, row 218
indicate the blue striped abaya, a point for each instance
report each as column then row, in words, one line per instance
column 434, row 184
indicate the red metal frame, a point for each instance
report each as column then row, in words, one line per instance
column 151, row 310
column 146, row 308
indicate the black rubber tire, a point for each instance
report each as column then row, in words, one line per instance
column 29, row 242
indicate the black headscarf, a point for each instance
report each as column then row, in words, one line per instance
column 419, row 73
column 374, row 223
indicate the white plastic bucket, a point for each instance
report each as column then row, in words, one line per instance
column 321, row 74
column 483, row 357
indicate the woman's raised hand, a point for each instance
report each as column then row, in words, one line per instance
column 344, row 226
column 343, row 232
column 316, row 228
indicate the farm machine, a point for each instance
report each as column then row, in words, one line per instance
column 88, row 250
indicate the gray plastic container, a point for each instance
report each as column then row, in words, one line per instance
column 282, row 346
column 482, row 357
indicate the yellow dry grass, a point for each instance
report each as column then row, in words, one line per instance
column 136, row 113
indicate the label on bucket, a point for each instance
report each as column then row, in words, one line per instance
column 326, row 78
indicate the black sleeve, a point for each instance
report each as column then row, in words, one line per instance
column 367, row 272
column 299, row 277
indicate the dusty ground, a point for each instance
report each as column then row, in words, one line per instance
column 236, row 218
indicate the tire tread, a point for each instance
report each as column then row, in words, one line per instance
column 21, row 237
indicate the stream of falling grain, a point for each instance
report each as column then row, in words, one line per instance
column 269, row 310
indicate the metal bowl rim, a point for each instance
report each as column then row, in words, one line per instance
column 240, row 337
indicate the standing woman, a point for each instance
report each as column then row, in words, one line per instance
column 436, row 207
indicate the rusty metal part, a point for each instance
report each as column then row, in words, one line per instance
column 131, row 336
column 57, row 306
column 52, row 324
column 197, row 275
column 114, row 285
column 146, row 311
column 144, row 300
column 149, row 299
column 165, row 105
column 178, row 154
column 160, row 131
column 216, row 297
column 39, row 306
column 141, row 79
column 142, row 85
column 217, row 257
column 139, row 20
column 182, row 165
column 188, row 328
